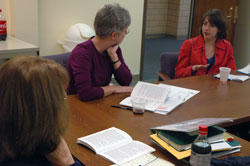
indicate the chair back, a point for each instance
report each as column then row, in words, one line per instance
column 59, row 58
column 168, row 62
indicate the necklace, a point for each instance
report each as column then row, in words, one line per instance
column 209, row 56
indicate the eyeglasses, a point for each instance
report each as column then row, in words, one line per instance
column 65, row 95
column 127, row 31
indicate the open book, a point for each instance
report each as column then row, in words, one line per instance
column 115, row 145
column 161, row 98
column 245, row 70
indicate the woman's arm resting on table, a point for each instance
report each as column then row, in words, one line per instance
column 108, row 90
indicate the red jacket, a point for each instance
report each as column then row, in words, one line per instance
column 193, row 53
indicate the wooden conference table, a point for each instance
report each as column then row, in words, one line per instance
column 214, row 100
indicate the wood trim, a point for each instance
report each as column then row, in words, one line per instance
column 143, row 38
column 162, row 76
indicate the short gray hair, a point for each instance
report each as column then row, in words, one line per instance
column 111, row 18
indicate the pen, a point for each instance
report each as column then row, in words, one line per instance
column 121, row 107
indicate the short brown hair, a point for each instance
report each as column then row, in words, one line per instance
column 219, row 19
column 33, row 111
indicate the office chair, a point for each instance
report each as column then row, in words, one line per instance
column 168, row 61
column 59, row 58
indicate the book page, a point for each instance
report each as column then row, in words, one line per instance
column 238, row 77
column 223, row 153
column 176, row 97
column 127, row 152
column 147, row 160
column 150, row 92
column 220, row 146
column 169, row 105
column 105, row 139
column 245, row 70
column 179, row 93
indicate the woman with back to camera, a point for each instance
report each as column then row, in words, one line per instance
column 33, row 113
column 209, row 51
column 92, row 63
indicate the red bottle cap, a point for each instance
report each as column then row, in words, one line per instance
column 203, row 129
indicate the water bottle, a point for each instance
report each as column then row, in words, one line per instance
column 201, row 149
column 3, row 27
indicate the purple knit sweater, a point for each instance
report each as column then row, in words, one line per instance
column 89, row 70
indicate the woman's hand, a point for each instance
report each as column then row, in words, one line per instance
column 198, row 67
column 112, row 53
column 123, row 89
column 110, row 89
column 61, row 156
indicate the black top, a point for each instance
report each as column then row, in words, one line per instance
column 36, row 160
column 211, row 63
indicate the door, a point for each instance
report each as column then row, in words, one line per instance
column 230, row 7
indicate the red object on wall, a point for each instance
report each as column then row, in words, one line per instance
column 3, row 26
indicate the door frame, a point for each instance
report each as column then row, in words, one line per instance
column 145, row 8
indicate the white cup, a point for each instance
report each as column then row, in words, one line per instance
column 138, row 105
column 224, row 73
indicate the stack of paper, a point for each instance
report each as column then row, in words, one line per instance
column 160, row 98
column 231, row 77
column 245, row 70
column 177, row 141
column 177, row 138
column 218, row 149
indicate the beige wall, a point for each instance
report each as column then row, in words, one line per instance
column 168, row 17
column 56, row 16
column 156, row 17
column 242, row 35
column 25, row 20
column 183, row 19
column 178, row 18
column 22, row 19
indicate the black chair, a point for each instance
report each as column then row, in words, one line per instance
column 59, row 58
column 168, row 61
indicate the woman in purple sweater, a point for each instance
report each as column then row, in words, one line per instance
column 92, row 63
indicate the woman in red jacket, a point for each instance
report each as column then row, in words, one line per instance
column 207, row 52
